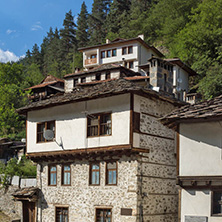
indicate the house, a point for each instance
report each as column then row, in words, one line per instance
column 199, row 163
column 10, row 149
column 50, row 85
column 169, row 75
column 102, row 154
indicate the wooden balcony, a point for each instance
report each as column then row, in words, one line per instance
column 90, row 61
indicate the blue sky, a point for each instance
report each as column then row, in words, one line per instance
column 25, row 22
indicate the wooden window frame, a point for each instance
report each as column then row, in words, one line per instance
column 113, row 53
column 103, row 57
column 61, row 207
column 212, row 203
column 108, row 75
column 99, row 115
column 107, row 174
column 90, row 173
column 49, row 175
column 131, row 62
column 102, row 208
column 63, row 173
column 108, row 53
column 130, row 47
column 83, row 79
column 45, row 127
column 74, row 82
column 123, row 51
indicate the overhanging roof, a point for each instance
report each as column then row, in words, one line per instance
column 209, row 110
column 118, row 41
column 104, row 89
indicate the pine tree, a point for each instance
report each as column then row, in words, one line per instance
column 97, row 25
column 118, row 17
column 68, row 34
column 82, row 27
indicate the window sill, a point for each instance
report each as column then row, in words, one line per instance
column 99, row 136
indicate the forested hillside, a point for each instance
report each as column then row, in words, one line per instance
column 188, row 29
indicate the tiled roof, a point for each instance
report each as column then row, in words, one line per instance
column 49, row 80
column 104, row 89
column 207, row 110
column 101, row 68
column 26, row 192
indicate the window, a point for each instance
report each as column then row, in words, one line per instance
column 131, row 65
column 130, row 49
column 217, row 202
column 103, row 215
column 111, row 173
column 98, row 76
column 66, row 175
column 93, row 56
column 83, row 79
column 165, row 82
column 108, row 76
column 103, row 54
column 108, row 53
column 94, row 174
column 52, row 176
column 99, row 124
column 62, row 214
column 41, row 127
column 75, row 82
column 124, row 51
column 114, row 52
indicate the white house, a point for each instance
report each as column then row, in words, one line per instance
column 199, row 162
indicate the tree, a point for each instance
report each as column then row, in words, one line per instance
column 82, row 27
column 68, row 34
column 97, row 25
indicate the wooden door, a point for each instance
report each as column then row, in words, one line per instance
column 28, row 211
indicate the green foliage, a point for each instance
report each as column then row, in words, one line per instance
column 211, row 85
column 23, row 168
column 82, row 35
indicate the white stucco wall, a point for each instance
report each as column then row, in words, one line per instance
column 197, row 203
column 71, row 124
column 200, row 149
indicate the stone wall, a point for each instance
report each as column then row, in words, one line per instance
column 157, row 169
column 7, row 205
column 82, row 198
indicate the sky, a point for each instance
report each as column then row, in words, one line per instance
column 26, row 22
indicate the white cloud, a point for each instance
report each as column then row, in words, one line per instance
column 36, row 26
column 9, row 31
column 7, row 56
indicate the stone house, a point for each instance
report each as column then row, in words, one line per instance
column 199, row 163
column 108, row 157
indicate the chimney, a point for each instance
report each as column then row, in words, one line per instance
column 107, row 41
column 141, row 36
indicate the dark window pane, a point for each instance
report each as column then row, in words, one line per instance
column 124, row 51
column 103, row 54
column 217, row 202
column 130, row 49
column 108, row 53
column 114, row 52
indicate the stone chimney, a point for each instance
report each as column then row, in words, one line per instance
column 141, row 36
column 107, row 41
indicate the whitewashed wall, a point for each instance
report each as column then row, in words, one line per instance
column 71, row 124
column 200, row 149
column 197, row 203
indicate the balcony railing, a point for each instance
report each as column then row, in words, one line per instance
column 90, row 61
